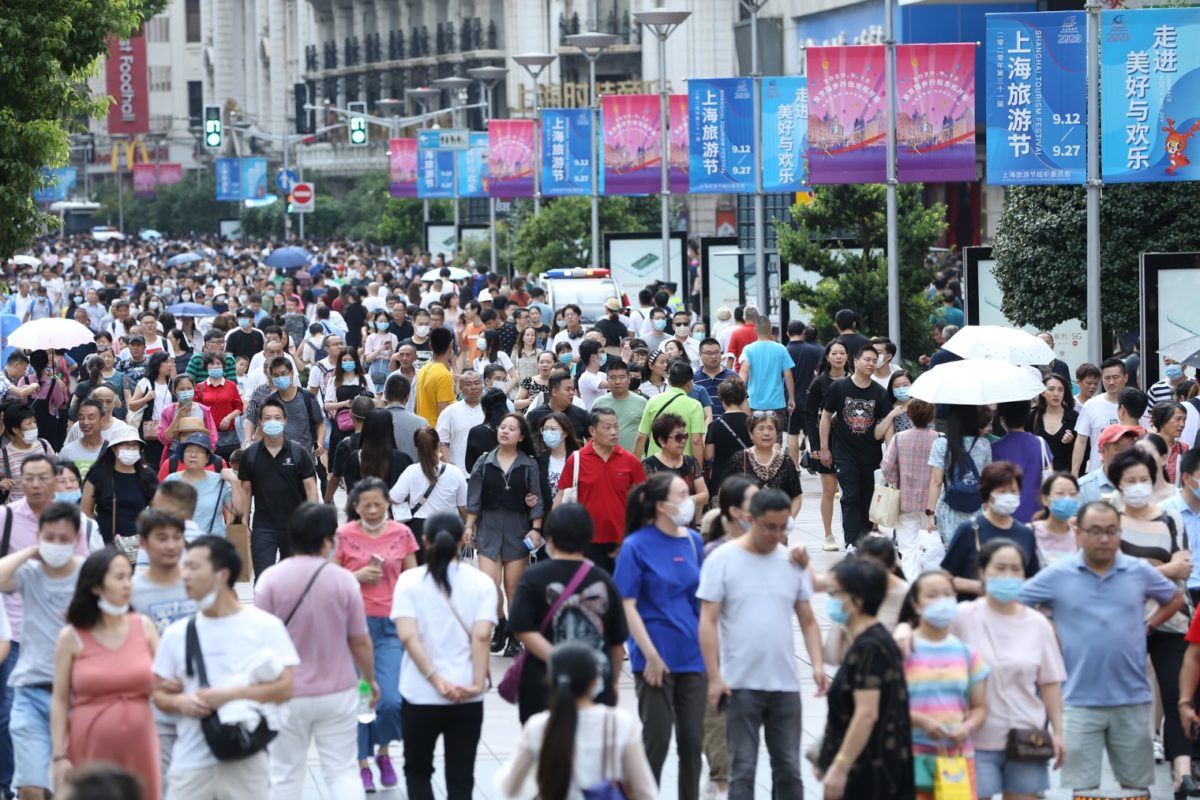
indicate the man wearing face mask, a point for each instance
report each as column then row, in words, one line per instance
column 682, row 326
column 419, row 340
column 245, row 340
column 43, row 576
column 657, row 329
column 1174, row 374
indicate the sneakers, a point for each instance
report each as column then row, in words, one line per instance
column 368, row 780
column 831, row 544
column 713, row 792
column 499, row 637
column 512, row 649
column 387, row 775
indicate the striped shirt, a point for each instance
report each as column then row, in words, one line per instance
column 906, row 465
column 940, row 676
column 1163, row 390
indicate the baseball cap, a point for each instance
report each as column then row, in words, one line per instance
column 139, row 339
column 1114, row 432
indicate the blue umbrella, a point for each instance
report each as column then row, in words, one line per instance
column 184, row 258
column 191, row 310
column 288, row 258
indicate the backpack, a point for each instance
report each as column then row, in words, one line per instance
column 962, row 490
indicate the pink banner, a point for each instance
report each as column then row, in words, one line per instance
column 679, row 161
column 402, row 164
column 169, row 174
column 935, row 112
column 125, row 79
column 847, row 115
column 632, row 147
column 144, row 180
column 510, row 157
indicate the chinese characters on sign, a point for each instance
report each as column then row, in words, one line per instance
column 721, row 126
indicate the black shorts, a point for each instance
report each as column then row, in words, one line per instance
column 795, row 425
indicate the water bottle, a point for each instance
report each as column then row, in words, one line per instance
column 366, row 714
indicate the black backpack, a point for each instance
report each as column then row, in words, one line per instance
column 962, row 489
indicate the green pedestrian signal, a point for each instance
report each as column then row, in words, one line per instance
column 358, row 123
column 214, row 128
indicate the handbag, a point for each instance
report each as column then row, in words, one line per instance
column 951, row 777
column 345, row 422
column 510, row 684
column 227, row 742
column 1021, row 744
column 885, row 506
column 238, row 534
column 571, row 494
column 608, row 788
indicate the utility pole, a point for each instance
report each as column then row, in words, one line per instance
column 592, row 45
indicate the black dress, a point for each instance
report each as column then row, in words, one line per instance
column 812, row 419
column 1060, row 451
column 884, row 769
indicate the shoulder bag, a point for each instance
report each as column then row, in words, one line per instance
column 1022, row 744
column 403, row 512
column 571, row 495
column 227, row 742
column 609, row 787
column 510, row 684
column 304, row 593
column 470, row 639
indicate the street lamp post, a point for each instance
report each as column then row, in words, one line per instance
column 662, row 24
column 488, row 77
column 422, row 96
column 592, row 45
column 763, row 280
column 534, row 64
column 120, row 137
column 456, row 87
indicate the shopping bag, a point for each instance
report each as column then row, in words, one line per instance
column 931, row 548
column 952, row 778
column 238, row 534
column 885, row 506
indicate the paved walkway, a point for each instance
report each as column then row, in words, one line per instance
column 501, row 727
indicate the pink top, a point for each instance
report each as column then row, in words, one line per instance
column 168, row 415
column 1052, row 547
column 1023, row 654
column 354, row 551
column 906, row 466
column 331, row 612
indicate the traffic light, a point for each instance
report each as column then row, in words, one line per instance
column 214, row 129
column 358, row 123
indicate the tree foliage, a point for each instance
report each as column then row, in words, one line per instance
column 1040, row 248
column 858, row 214
column 48, row 48
column 560, row 237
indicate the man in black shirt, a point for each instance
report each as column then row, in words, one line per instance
column 611, row 325
column 561, row 397
column 420, row 338
column 355, row 314
column 846, row 322
column 400, row 326
column 807, row 356
column 245, row 340
column 858, row 403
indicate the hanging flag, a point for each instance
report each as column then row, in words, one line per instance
column 1150, row 82
column 402, row 167
column 57, row 184
column 169, row 174
column 435, row 174
column 632, row 144
column 785, row 134
column 229, row 179
column 472, row 166
column 1036, row 98
column 680, row 164
column 935, row 113
column 510, row 157
column 144, row 180
column 566, row 152
column 721, row 115
column 847, row 115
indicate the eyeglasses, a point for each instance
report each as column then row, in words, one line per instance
column 678, row 437
column 1113, row 532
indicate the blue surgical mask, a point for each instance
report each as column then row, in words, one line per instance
column 245, row 321
column 900, row 393
column 660, row 324
column 381, row 326
column 836, row 610
column 1063, row 508
column 565, row 358
column 552, row 438
column 215, row 372
column 1005, row 590
column 185, row 395
column 68, row 497
column 940, row 613
column 347, row 366
column 283, row 382
column 273, row 427
column 1173, row 372
column 603, row 359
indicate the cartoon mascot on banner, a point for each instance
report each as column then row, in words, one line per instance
column 1176, row 143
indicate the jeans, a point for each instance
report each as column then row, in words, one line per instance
column 30, row 728
column 857, row 482
column 264, row 543
column 388, row 654
column 6, row 699
column 329, row 720
column 460, row 726
column 679, row 703
column 778, row 715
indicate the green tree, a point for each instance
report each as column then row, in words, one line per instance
column 48, row 48
column 1041, row 248
column 559, row 236
column 175, row 210
column 859, row 281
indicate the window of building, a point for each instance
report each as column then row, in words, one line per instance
column 158, row 30
column 160, row 78
column 193, row 20
column 195, row 103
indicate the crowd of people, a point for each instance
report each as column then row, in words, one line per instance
column 406, row 474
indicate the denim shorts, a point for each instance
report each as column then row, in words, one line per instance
column 29, row 725
column 994, row 774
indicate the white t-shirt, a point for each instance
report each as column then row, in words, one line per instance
column 564, row 336
column 257, row 364
column 453, row 426
column 1097, row 414
column 446, row 642
column 227, row 644
column 75, row 434
column 449, row 491
column 589, row 387
column 501, row 358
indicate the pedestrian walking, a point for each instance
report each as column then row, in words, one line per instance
column 906, row 467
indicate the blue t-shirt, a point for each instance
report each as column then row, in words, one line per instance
column 768, row 361
column 663, row 573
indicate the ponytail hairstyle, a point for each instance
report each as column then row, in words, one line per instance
column 572, row 672
column 731, row 495
column 641, row 509
column 428, row 455
column 443, row 534
column 93, row 367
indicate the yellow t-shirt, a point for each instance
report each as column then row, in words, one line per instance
column 435, row 385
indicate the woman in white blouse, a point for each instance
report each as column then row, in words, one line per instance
column 578, row 744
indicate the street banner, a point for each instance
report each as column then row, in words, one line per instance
column 435, row 174
column 566, row 152
column 1150, row 79
column 847, row 115
column 935, row 113
column 126, row 80
column 678, row 161
column 1036, row 98
column 721, row 128
column 254, row 178
column 144, row 180
column 472, row 166
column 631, row 144
column 785, row 134
column 510, row 157
column 229, row 179
column 57, row 184
column 169, row 174
column 402, row 167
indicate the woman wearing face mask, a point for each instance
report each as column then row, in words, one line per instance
column 1000, row 490
column 657, row 334
column 1024, row 691
column 867, row 747
column 150, row 397
column 490, row 353
column 1156, row 447
column 184, row 390
column 947, row 681
column 537, row 385
column 658, row 573
column 118, row 486
column 348, row 383
column 555, row 440
column 1151, row 534
column 1052, row 525
column 22, row 441
column 897, row 419
column 379, row 347
column 100, row 707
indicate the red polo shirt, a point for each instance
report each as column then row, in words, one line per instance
column 740, row 338
column 603, row 488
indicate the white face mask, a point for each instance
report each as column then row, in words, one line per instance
column 422, row 331
column 1005, row 504
column 56, row 555
column 208, row 601
column 1137, row 495
column 686, row 513
column 129, row 457
column 31, row 436
column 112, row 609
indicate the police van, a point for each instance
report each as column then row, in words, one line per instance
column 586, row 288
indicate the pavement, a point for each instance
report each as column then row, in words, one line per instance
column 501, row 727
